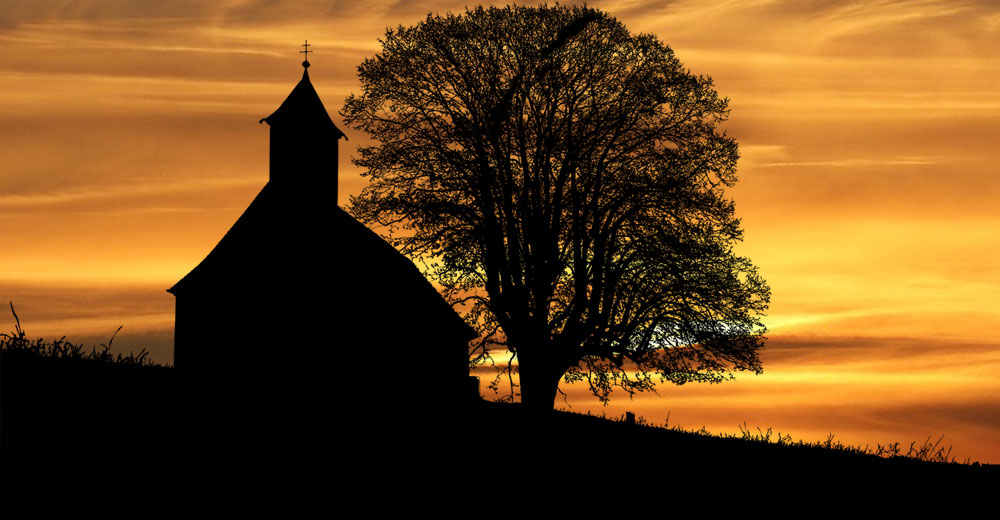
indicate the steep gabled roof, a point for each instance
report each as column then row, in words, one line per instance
column 372, row 263
column 244, row 244
column 303, row 108
column 280, row 242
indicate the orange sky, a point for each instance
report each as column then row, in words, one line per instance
column 869, row 140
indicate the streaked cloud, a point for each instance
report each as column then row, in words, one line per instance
column 864, row 391
column 38, row 201
column 848, row 163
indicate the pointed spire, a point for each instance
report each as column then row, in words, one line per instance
column 303, row 107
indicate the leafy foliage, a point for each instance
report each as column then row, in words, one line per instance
column 563, row 180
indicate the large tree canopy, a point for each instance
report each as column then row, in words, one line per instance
column 564, row 179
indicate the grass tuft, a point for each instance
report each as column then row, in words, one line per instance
column 18, row 344
column 926, row 452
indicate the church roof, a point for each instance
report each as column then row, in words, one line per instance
column 245, row 243
column 303, row 108
column 401, row 288
column 281, row 244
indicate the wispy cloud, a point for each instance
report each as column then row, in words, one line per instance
column 39, row 201
column 849, row 163
column 862, row 390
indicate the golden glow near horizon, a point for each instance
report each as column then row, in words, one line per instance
column 868, row 178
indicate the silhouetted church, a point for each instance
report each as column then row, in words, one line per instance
column 299, row 301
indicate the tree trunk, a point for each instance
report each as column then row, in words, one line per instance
column 539, row 384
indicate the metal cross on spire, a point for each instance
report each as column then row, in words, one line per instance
column 305, row 63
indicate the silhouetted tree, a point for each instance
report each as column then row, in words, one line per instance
column 563, row 179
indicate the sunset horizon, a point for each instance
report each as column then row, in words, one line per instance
column 868, row 173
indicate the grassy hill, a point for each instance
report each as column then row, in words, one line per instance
column 86, row 430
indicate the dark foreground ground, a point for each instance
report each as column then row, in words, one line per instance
column 82, row 438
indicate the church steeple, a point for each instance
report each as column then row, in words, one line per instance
column 303, row 139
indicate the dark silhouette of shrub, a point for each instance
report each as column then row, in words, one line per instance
column 18, row 344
